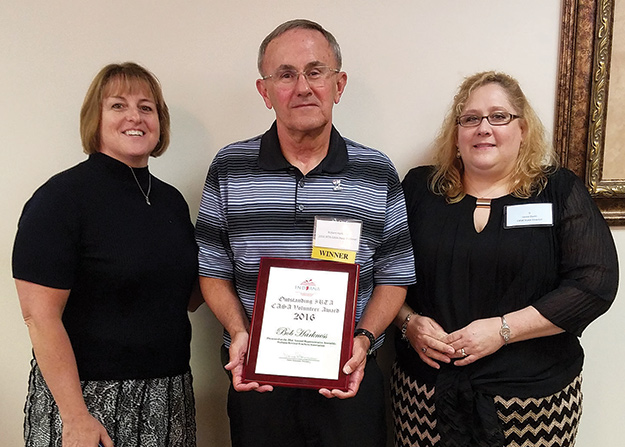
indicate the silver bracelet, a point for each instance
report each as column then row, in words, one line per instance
column 404, row 326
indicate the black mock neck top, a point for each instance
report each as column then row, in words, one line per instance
column 130, row 266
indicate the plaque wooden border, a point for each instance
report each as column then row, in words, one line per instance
column 259, row 307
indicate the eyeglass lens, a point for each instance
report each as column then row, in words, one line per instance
column 314, row 75
column 494, row 119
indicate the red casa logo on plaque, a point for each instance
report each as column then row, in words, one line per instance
column 307, row 288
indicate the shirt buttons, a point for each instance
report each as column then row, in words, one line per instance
column 300, row 207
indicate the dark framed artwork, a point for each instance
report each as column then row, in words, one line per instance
column 589, row 132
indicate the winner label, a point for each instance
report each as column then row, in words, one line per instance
column 302, row 327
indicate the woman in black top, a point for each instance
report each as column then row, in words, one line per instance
column 105, row 264
column 513, row 261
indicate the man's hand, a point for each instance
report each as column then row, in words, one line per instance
column 355, row 368
column 238, row 351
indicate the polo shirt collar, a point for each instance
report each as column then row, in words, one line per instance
column 271, row 158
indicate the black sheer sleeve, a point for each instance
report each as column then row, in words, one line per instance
column 588, row 260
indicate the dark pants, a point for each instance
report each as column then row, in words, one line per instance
column 290, row 417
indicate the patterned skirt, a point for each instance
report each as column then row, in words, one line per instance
column 147, row 413
column 546, row 422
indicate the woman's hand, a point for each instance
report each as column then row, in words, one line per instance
column 85, row 431
column 481, row 337
column 476, row 340
column 428, row 339
column 42, row 308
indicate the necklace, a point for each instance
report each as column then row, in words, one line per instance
column 481, row 214
column 146, row 195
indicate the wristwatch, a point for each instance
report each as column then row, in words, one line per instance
column 369, row 335
column 505, row 331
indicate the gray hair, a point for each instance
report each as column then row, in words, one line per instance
column 299, row 24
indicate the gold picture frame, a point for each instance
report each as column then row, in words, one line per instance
column 582, row 101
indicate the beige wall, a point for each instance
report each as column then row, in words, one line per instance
column 404, row 59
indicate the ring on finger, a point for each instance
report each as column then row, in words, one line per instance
column 424, row 349
column 463, row 352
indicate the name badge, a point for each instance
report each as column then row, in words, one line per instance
column 528, row 215
column 336, row 239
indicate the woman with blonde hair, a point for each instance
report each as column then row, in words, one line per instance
column 513, row 261
column 105, row 264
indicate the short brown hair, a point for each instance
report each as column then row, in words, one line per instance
column 128, row 76
column 536, row 157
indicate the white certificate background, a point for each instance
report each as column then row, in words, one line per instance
column 290, row 355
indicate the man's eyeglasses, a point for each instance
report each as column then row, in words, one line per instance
column 315, row 76
column 494, row 119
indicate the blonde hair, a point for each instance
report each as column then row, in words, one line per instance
column 127, row 78
column 536, row 157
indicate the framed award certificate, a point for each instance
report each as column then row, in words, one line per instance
column 303, row 323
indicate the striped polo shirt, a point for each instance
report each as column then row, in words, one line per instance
column 256, row 204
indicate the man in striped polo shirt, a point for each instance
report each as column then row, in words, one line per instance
column 260, row 199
